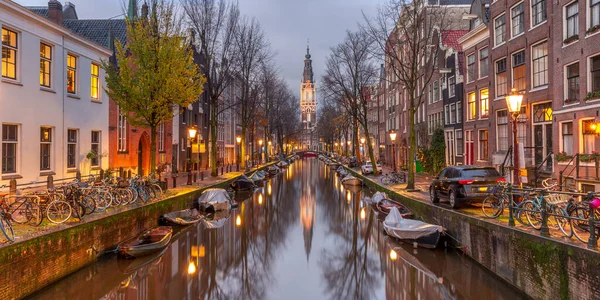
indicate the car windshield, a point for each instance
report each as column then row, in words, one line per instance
column 480, row 173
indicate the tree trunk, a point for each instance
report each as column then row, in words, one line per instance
column 412, row 144
column 356, row 141
column 213, row 140
column 371, row 154
column 152, row 149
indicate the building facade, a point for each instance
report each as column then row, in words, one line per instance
column 53, row 109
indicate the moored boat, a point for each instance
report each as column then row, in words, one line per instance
column 213, row 200
column 385, row 205
column 243, row 183
column 282, row 164
column 257, row 178
column 273, row 170
column 309, row 154
column 412, row 231
column 351, row 180
column 182, row 217
column 147, row 242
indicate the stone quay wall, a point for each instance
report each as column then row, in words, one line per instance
column 541, row 267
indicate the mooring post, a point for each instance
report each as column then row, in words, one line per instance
column 544, row 230
column 511, row 219
column 50, row 182
column 593, row 240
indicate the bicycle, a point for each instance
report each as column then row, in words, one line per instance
column 5, row 224
column 533, row 212
column 393, row 178
column 23, row 209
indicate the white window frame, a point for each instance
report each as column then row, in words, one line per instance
column 99, row 145
column 512, row 34
column 479, row 99
column 545, row 12
column 496, row 76
column 512, row 68
column 479, row 154
column 50, row 150
column 452, row 108
column 50, row 64
column 471, row 78
column 496, row 42
column 121, row 131
column 560, row 135
column 17, row 148
column 459, row 110
column 75, row 71
column 95, row 78
column 588, row 8
column 487, row 58
column 508, row 132
column 469, row 106
column 565, row 21
column 533, row 83
column 589, row 71
column 566, row 80
column 76, row 150
column 161, row 137
column 451, row 86
column 456, row 143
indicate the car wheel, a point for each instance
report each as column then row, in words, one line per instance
column 452, row 198
column 433, row 195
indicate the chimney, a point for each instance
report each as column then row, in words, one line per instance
column 69, row 12
column 55, row 12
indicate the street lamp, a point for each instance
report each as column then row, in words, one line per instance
column 238, row 139
column 260, row 142
column 336, row 147
column 192, row 130
column 362, row 143
column 513, row 102
column 348, row 143
column 393, row 138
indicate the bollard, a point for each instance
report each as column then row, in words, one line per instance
column 221, row 170
column 101, row 174
column 174, row 182
column 128, row 174
column 50, row 183
column 201, row 176
column 195, row 177
column 189, row 178
column 121, row 172
column 13, row 187
column 544, row 230
column 511, row 219
column 593, row 240
column 238, row 167
column 78, row 175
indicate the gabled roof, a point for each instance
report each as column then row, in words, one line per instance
column 40, row 10
column 449, row 2
column 450, row 38
column 98, row 30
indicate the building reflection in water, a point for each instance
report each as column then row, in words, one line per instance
column 308, row 207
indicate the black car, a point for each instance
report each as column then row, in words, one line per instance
column 460, row 184
column 352, row 162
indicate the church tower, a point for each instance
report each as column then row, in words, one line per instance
column 308, row 103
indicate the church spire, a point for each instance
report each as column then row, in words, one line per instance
column 308, row 72
column 132, row 10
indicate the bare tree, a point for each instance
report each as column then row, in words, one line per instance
column 349, row 73
column 406, row 34
column 215, row 23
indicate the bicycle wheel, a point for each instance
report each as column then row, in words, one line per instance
column 157, row 190
column 385, row 180
column 142, row 194
column 19, row 211
column 89, row 203
column 492, row 206
column 579, row 223
column 58, row 211
column 150, row 191
column 562, row 220
column 102, row 200
column 36, row 217
column 134, row 193
column 533, row 214
column 6, row 227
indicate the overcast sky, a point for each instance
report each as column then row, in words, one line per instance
column 288, row 24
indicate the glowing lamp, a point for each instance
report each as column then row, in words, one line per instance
column 192, row 131
column 393, row 135
column 513, row 101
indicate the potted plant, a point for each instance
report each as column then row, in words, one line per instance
column 563, row 156
column 592, row 29
column 592, row 95
column 570, row 39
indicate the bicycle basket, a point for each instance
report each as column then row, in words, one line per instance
column 556, row 198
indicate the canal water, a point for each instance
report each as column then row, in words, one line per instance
column 301, row 236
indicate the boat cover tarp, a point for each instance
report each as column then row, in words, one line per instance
column 256, row 176
column 397, row 226
column 214, row 196
column 351, row 179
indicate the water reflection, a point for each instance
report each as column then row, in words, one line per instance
column 263, row 250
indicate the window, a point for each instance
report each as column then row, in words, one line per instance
column 595, row 73
column 71, row 74
column 95, row 81
column 458, row 112
column 430, row 93
column 573, row 83
column 483, row 63
column 452, row 86
column 502, row 129
column 96, row 148
column 9, row 148
column 594, row 13
column 45, row 64
column 436, row 93
column 122, row 132
column 71, row 148
column 45, row 148
column 459, row 142
column 9, row 53
column 471, row 68
column 453, row 113
column 161, row 137
column 572, row 19
column 539, row 57
column 588, row 136
column 483, row 144
column 517, row 19
column 484, row 100
column 538, row 11
column 501, row 78
column 499, row 30
column 567, row 138
column 519, row 71
column 471, row 108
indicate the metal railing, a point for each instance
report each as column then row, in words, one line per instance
column 503, row 165
column 538, row 168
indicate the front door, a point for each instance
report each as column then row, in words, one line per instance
column 469, row 147
column 449, row 136
column 542, row 133
column 140, row 158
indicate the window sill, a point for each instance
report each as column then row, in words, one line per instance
column 47, row 173
column 591, row 34
column 484, row 77
column 499, row 98
column 516, row 36
column 574, row 103
column 72, row 170
column 538, row 25
column 96, row 101
column 11, row 176
column 499, row 45
column 46, row 89
column 569, row 44
column 95, row 168
column 11, row 81
column 73, row 96
column 539, row 88
column 123, row 152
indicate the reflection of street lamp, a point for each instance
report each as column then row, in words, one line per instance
column 393, row 138
column 238, row 221
column 348, row 145
column 362, row 214
column 336, row 147
column 393, row 254
column 513, row 102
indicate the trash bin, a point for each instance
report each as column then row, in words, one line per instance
column 419, row 167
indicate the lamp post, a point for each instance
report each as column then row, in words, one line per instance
column 260, row 142
column 393, row 138
column 513, row 102
column 348, row 143
column 362, row 148
column 336, row 147
column 238, row 139
column 192, row 130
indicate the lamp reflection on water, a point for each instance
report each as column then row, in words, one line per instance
column 260, row 199
column 348, row 196
column 269, row 189
column 393, row 254
column 191, row 268
column 238, row 221
column 362, row 213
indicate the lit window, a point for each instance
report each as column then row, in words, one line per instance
column 95, row 81
column 45, row 148
column 588, row 136
column 9, row 53
column 71, row 74
column 539, row 57
column 519, row 70
column 517, row 20
column 501, row 78
column 483, row 63
column 45, row 64
column 572, row 19
column 9, row 148
column 484, row 100
column 500, row 30
column 471, row 108
column 538, row 11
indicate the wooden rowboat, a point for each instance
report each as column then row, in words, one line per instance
column 147, row 242
column 182, row 217
column 384, row 206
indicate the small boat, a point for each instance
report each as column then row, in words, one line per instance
column 378, row 196
column 182, row 217
column 282, row 164
column 127, row 266
column 147, row 242
column 273, row 170
column 351, row 180
column 309, row 154
column 412, row 231
column 384, row 205
column 213, row 200
column 216, row 220
column 242, row 183
column 257, row 178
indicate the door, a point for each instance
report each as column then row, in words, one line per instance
column 140, row 158
column 450, row 148
column 469, row 147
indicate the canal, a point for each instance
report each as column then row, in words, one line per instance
column 301, row 236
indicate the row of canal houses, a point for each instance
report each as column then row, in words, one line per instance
column 547, row 50
column 55, row 113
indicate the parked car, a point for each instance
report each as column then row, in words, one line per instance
column 463, row 184
column 352, row 162
column 367, row 168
